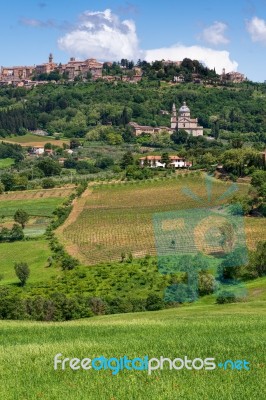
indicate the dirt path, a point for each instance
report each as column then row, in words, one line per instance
column 78, row 206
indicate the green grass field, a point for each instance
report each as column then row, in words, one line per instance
column 36, row 207
column 6, row 163
column 236, row 331
column 34, row 140
column 118, row 218
column 35, row 253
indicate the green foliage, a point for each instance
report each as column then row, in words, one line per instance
column 49, row 166
column 238, row 161
column 11, row 235
column 22, row 217
column 22, row 271
column 226, row 297
column 154, row 302
column 48, row 183
column 257, row 262
column 127, row 160
column 207, row 283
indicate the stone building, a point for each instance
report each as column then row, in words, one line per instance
column 183, row 121
column 75, row 68
column 234, row 77
column 16, row 73
column 46, row 68
column 139, row 129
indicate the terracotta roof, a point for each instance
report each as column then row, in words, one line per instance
column 159, row 158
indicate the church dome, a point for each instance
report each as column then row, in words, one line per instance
column 184, row 108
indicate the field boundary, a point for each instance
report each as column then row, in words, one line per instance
column 78, row 206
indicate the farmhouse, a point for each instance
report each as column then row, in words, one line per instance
column 156, row 161
column 139, row 129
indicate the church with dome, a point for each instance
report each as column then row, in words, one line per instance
column 183, row 121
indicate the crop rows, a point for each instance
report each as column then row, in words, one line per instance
column 118, row 218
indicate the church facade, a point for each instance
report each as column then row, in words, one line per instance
column 183, row 121
column 180, row 121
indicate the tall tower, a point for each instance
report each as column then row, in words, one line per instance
column 173, row 118
column 51, row 58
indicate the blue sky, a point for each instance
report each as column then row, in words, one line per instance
column 219, row 33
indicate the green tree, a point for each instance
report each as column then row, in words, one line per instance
column 21, row 217
column 48, row 183
column 165, row 159
column 179, row 137
column 16, row 233
column 127, row 160
column 227, row 237
column 23, row 272
column 49, row 167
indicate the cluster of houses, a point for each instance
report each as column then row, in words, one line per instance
column 23, row 75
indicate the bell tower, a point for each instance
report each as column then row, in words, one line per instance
column 173, row 118
column 51, row 58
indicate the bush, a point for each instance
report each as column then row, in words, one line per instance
column 119, row 305
column 226, row 297
column 68, row 262
column 22, row 271
column 98, row 306
column 207, row 284
column 154, row 302
column 48, row 183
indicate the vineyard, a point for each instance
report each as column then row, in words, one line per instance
column 117, row 219
column 39, row 204
column 37, row 194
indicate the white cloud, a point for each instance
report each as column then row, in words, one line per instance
column 257, row 29
column 211, row 58
column 102, row 35
column 215, row 33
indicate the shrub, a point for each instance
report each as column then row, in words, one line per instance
column 207, row 284
column 98, row 306
column 154, row 302
column 48, row 183
column 22, row 271
column 68, row 262
column 226, row 297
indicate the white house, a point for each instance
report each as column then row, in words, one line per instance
column 155, row 162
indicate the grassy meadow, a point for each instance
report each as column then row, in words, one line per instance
column 235, row 331
column 38, row 207
column 34, row 252
column 34, row 140
column 6, row 163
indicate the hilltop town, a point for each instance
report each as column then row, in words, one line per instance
column 127, row 71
